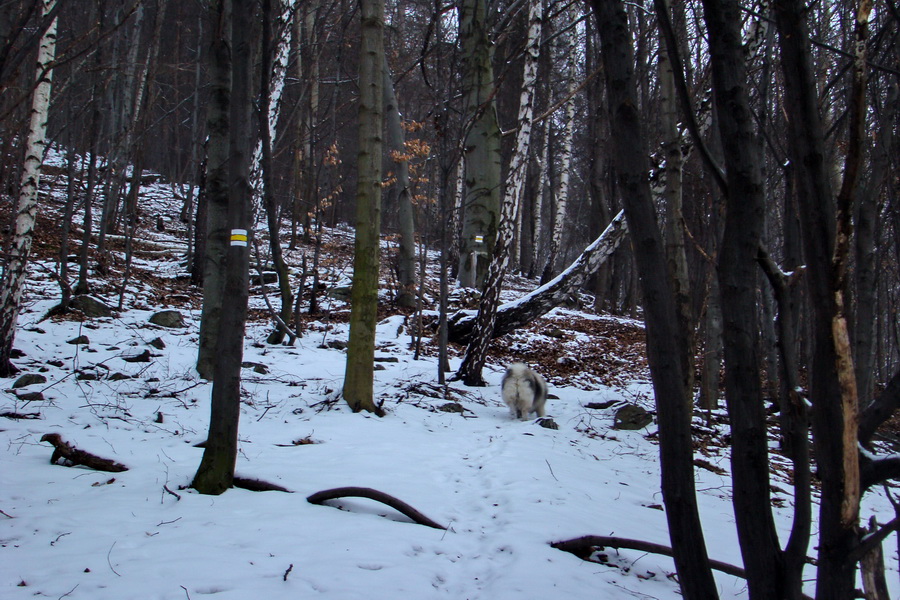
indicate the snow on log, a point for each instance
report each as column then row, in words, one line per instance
column 520, row 312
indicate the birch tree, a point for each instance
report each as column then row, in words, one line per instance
column 476, row 351
column 14, row 273
column 561, row 195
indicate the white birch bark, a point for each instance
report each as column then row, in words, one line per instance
column 13, row 283
column 476, row 351
column 276, row 87
column 565, row 168
column 537, row 211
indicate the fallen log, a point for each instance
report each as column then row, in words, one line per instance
column 361, row 492
column 524, row 310
column 75, row 457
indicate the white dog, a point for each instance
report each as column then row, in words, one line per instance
column 524, row 391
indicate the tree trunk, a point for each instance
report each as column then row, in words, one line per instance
column 267, row 117
column 216, row 471
column 867, row 229
column 476, row 351
column 358, row 380
column 481, row 205
column 217, row 149
column 675, row 232
column 664, row 341
column 565, row 169
column 520, row 312
column 737, row 272
column 837, row 529
column 13, row 282
column 399, row 158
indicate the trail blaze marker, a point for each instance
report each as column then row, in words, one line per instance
column 238, row 237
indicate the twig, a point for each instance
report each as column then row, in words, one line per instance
column 6, row 515
column 53, row 543
column 69, row 592
column 551, row 469
column 289, row 569
column 185, row 592
column 109, row 562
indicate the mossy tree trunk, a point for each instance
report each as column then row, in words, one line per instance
column 358, row 379
column 481, row 197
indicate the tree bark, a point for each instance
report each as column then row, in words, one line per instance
column 476, row 351
column 218, row 125
column 664, row 342
column 358, row 380
column 524, row 310
column 13, row 282
column 482, row 203
column 216, row 471
column 737, row 272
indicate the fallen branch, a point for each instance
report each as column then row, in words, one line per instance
column 524, row 310
column 360, row 492
column 75, row 457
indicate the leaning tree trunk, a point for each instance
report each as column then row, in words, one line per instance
column 476, row 351
column 664, row 340
column 524, row 310
column 13, row 283
column 358, row 379
column 216, row 471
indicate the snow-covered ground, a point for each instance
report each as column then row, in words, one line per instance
column 506, row 489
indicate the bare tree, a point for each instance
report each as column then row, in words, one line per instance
column 665, row 342
column 476, row 351
column 14, row 273
column 358, row 379
column 216, row 471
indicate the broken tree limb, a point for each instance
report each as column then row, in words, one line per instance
column 361, row 492
column 74, row 456
column 520, row 312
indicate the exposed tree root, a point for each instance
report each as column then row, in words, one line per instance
column 360, row 492
column 584, row 546
column 75, row 457
column 258, row 485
